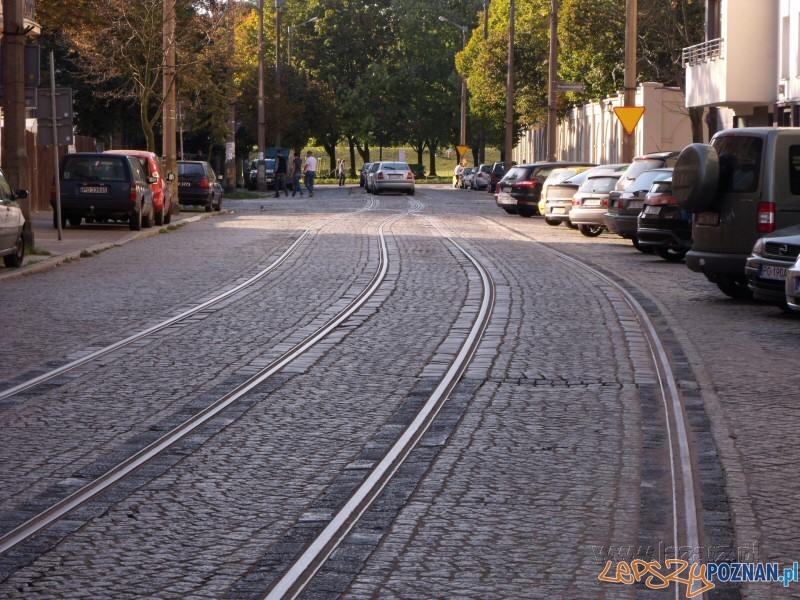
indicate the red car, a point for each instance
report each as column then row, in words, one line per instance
column 162, row 197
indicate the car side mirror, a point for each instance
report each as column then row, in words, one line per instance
column 170, row 176
column 21, row 194
column 152, row 179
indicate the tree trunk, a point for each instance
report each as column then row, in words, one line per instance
column 433, row 145
column 352, row 142
column 419, row 148
column 330, row 149
column 147, row 123
column 364, row 152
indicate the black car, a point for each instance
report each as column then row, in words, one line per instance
column 269, row 173
column 104, row 187
column 662, row 225
column 520, row 189
column 631, row 202
column 620, row 219
column 495, row 175
column 198, row 185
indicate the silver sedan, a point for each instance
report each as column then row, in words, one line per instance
column 393, row 176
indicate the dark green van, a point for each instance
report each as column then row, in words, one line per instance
column 743, row 185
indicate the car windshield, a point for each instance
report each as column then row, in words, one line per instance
column 395, row 167
column 92, row 168
column 577, row 179
column 516, row 174
column 190, row 169
column 635, row 169
column 645, row 180
column 559, row 175
column 599, row 185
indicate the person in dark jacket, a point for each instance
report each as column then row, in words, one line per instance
column 281, row 169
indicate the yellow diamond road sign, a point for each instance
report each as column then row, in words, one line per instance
column 629, row 116
column 462, row 150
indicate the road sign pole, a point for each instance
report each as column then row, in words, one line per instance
column 552, row 94
column 631, row 31
column 54, row 121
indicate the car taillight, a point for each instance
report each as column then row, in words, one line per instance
column 526, row 184
column 766, row 217
column 204, row 183
column 410, row 176
column 576, row 202
column 604, row 202
column 134, row 193
column 662, row 200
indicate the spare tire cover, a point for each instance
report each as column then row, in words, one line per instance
column 696, row 177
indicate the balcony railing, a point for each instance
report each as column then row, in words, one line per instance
column 700, row 53
column 30, row 10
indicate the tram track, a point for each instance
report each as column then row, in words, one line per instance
column 682, row 483
column 63, row 507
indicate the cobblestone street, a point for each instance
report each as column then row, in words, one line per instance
column 554, row 449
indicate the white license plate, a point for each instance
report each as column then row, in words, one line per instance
column 506, row 198
column 392, row 176
column 94, row 189
column 635, row 204
column 591, row 202
column 185, row 183
column 558, row 210
column 652, row 210
column 773, row 272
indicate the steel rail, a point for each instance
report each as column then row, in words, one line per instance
column 673, row 407
column 33, row 382
column 302, row 571
column 66, row 505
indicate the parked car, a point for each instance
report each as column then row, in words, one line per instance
column 520, row 189
column 495, row 175
column 466, row 177
column 744, row 185
column 393, row 176
column 591, row 200
column 769, row 262
column 104, row 187
column 362, row 176
column 620, row 219
column 162, row 194
column 663, row 226
column 793, row 287
column 198, row 185
column 552, row 187
column 370, row 177
column 269, row 173
column 480, row 181
column 629, row 203
column 12, row 243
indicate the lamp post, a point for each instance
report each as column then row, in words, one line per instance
column 464, row 29
column 289, row 30
column 262, row 122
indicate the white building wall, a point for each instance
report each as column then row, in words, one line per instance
column 788, row 71
column 592, row 132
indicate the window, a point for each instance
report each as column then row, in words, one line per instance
column 89, row 168
column 739, row 163
column 599, row 185
column 794, row 169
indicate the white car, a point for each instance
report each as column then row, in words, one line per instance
column 392, row 177
column 793, row 286
column 12, row 244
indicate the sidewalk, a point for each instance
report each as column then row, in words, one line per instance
column 84, row 241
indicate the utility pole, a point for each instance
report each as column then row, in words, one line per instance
column 509, row 141
column 712, row 33
column 262, row 121
column 631, row 31
column 169, row 90
column 277, row 107
column 15, row 154
column 552, row 82
column 230, row 143
column 482, row 134
column 463, row 134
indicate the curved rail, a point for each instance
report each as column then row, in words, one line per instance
column 305, row 567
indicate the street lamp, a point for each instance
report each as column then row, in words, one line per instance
column 464, row 29
column 289, row 30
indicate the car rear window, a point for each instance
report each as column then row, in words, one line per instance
column 794, row 168
column 598, row 185
column 739, row 163
column 517, row 174
column 395, row 167
column 93, row 168
column 193, row 169
column 645, row 180
column 636, row 168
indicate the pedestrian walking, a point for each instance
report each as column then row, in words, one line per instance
column 341, row 172
column 310, row 171
column 281, row 169
column 457, row 173
column 297, row 172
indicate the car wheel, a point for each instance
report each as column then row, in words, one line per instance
column 671, row 254
column 411, row 192
column 135, row 220
column 526, row 211
column 168, row 217
column 695, row 178
column 640, row 248
column 511, row 211
column 159, row 217
column 591, row 230
column 553, row 222
column 218, row 205
column 74, row 220
column 13, row 261
column 734, row 287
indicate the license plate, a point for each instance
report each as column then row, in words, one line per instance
column 773, row 272
column 707, row 218
column 635, row 204
column 506, row 198
column 395, row 176
column 558, row 210
column 185, row 184
column 591, row 202
column 94, row 189
column 652, row 210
